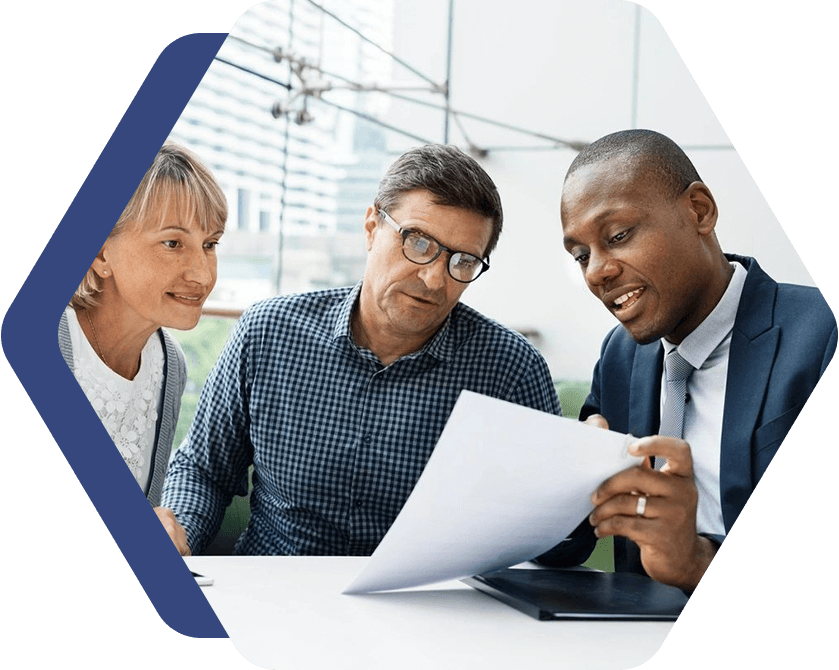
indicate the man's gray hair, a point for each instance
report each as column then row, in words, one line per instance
column 452, row 177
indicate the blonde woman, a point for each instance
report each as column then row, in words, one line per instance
column 156, row 269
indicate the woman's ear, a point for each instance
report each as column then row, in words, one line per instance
column 100, row 264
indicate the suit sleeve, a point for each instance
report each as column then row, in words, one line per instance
column 577, row 547
column 592, row 403
column 830, row 349
column 573, row 550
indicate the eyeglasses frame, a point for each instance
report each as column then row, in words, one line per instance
column 404, row 232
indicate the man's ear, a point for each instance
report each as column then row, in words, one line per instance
column 703, row 207
column 371, row 225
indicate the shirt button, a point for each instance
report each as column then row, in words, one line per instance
column 367, row 439
column 358, row 502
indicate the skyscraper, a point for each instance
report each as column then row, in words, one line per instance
column 298, row 170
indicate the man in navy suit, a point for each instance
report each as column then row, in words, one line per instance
column 640, row 223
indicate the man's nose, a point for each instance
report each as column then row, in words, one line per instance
column 601, row 268
column 434, row 274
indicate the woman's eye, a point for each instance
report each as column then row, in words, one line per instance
column 170, row 244
column 581, row 259
column 620, row 237
column 211, row 245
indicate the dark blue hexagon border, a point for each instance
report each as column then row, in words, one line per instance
column 30, row 336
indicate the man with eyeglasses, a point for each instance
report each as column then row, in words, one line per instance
column 337, row 397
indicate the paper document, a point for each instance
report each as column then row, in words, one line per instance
column 504, row 484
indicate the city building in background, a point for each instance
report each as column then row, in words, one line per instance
column 298, row 180
column 308, row 101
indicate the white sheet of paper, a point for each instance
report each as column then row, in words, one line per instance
column 504, row 484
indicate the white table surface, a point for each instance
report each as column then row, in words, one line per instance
column 288, row 612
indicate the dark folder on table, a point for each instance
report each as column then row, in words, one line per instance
column 582, row 594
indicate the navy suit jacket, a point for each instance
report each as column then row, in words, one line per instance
column 784, row 336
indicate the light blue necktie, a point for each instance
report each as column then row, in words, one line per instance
column 676, row 373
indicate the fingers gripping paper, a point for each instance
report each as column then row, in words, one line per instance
column 504, row 484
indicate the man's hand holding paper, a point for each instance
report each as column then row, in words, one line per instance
column 504, row 484
column 656, row 509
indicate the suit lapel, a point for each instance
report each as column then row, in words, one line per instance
column 645, row 390
column 754, row 342
column 643, row 412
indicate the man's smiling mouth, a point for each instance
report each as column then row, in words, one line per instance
column 627, row 299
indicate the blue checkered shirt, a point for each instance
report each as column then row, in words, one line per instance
column 337, row 440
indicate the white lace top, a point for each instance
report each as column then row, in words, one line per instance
column 127, row 408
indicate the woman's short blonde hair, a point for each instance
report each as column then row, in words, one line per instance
column 176, row 174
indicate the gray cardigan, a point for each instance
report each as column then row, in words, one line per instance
column 174, row 382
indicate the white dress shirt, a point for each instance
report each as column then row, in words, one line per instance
column 707, row 349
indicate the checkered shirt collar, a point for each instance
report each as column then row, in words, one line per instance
column 441, row 346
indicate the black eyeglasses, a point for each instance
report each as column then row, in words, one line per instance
column 423, row 249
